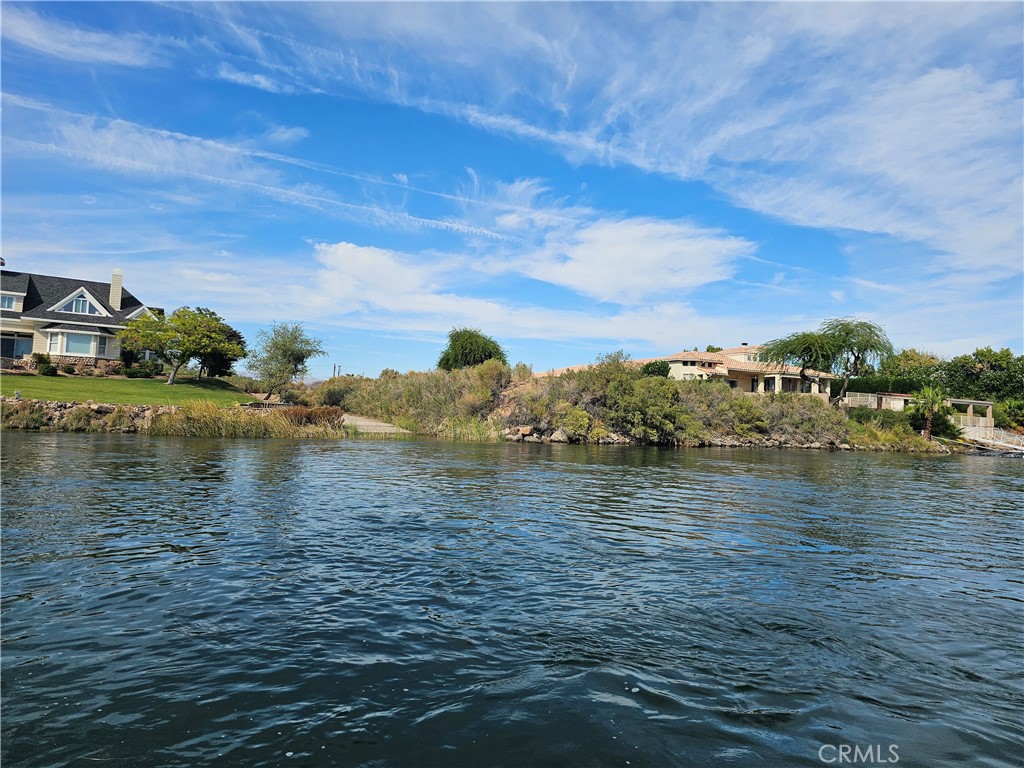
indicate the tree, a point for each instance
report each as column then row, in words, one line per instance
column 468, row 346
column 842, row 346
column 282, row 354
column 183, row 336
column 908, row 362
column 929, row 402
column 659, row 368
column 712, row 348
column 217, row 363
column 984, row 375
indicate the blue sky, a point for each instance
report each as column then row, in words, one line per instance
column 571, row 178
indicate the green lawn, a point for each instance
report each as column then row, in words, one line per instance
column 128, row 391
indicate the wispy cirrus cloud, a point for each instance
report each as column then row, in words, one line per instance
column 255, row 80
column 63, row 40
column 900, row 120
column 125, row 147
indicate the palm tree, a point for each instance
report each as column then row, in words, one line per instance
column 930, row 401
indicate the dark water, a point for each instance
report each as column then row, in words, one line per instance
column 378, row 604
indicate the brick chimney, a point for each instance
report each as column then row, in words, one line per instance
column 116, row 286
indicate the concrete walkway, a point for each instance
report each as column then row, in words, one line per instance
column 369, row 426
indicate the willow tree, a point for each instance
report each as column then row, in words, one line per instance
column 843, row 347
column 468, row 346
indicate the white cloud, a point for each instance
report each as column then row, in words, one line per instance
column 632, row 260
column 129, row 148
column 64, row 40
column 899, row 119
column 252, row 79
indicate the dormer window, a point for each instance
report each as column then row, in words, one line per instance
column 80, row 306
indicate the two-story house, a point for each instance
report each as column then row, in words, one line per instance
column 740, row 368
column 74, row 321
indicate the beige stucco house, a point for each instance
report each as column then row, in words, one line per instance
column 74, row 321
column 739, row 368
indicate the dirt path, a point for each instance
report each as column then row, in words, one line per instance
column 372, row 426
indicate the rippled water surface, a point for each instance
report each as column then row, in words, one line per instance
column 361, row 603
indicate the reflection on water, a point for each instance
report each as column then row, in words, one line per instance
column 178, row 602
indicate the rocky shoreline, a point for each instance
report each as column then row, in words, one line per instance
column 534, row 434
column 90, row 416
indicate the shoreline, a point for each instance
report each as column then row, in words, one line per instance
column 30, row 415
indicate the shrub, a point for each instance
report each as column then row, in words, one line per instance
column 1009, row 414
column 144, row 369
column 68, row 368
column 886, row 419
column 295, row 415
column 942, row 425
column 46, row 369
column 522, row 373
column 659, row 368
column 576, row 422
column 648, row 409
column 298, row 394
column 327, row 416
column 41, row 359
column 334, row 392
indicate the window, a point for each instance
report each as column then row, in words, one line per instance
column 78, row 344
column 51, row 345
column 6, row 302
column 101, row 346
column 80, row 305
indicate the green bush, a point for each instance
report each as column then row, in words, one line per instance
column 47, row 369
column 1009, row 414
column 522, row 373
column 67, row 368
column 942, row 425
column 886, row 419
column 137, row 372
column 576, row 422
column 656, row 368
column 334, row 392
column 41, row 359
column 647, row 410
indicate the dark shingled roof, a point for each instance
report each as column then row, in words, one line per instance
column 79, row 328
column 43, row 291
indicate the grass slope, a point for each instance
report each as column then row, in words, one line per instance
column 122, row 391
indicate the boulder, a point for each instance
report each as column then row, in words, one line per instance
column 559, row 436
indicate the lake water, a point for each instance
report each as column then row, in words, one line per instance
column 413, row 603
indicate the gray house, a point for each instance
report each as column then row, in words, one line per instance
column 74, row 321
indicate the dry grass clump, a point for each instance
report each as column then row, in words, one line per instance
column 207, row 420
